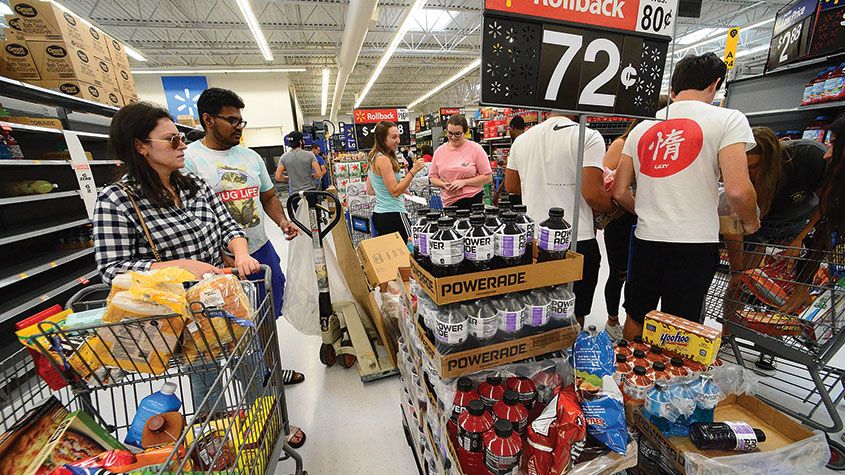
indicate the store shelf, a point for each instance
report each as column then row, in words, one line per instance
column 28, row 232
column 25, row 270
column 22, row 162
column 30, row 198
column 424, row 133
column 494, row 139
column 796, row 110
column 32, row 299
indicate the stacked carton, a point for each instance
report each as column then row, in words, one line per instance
column 57, row 50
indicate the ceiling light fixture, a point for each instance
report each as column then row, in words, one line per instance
column 255, row 28
column 463, row 72
column 409, row 19
column 129, row 51
column 720, row 35
column 324, row 92
column 217, row 71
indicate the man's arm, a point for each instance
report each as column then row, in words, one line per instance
column 738, row 187
column 513, row 184
column 317, row 169
column 621, row 191
column 280, row 172
column 273, row 208
column 592, row 189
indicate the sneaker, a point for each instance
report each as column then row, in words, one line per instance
column 766, row 364
column 615, row 331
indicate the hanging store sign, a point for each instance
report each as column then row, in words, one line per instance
column 348, row 131
column 366, row 120
column 446, row 112
column 577, row 55
column 731, row 43
column 829, row 29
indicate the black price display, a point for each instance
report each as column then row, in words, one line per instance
column 547, row 65
column 790, row 45
column 365, row 135
column 366, row 120
column 829, row 32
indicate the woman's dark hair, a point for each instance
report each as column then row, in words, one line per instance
column 459, row 119
column 135, row 122
column 770, row 169
column 426, row 150
column 832, row 202
column 698, row 72
column 380, row 145
column 214, row 99
column 662, row 102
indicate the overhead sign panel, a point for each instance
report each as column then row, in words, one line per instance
column 366, row 120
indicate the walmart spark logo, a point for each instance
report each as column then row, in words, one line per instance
column 188, row 102
column 182, row 93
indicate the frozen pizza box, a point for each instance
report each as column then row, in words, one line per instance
column 77, row 437
column 782, row 433
column 475, row 285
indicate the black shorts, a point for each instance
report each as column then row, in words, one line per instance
column 585, row 288
column 676, row 274
column 466, row 203
column 386, row 223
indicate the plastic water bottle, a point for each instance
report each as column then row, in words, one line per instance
column 561, row 304
column 682, row 394
column 462, row 225
column 446, row 249
column 708, row 398
column 554, row 238
column 425, row 236
column 479, row 249
column 510, row 241
column 511, row 314
column 656, row 407
column 484, row 323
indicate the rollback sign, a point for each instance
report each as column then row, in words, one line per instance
column 366, row 120
column 576, row 55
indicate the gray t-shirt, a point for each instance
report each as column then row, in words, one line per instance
column 298, row 168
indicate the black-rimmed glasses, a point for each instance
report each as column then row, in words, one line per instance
column 233, row 121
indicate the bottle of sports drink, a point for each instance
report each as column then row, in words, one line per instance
column 525, row 389
column 479, row 248
column 472, row 424
column 536, row 309
column 484, row 324
column 510, row 241
column 505, row 205
column 477, row 208
column 729, row 435
column 450, row 212
column 446, row 248
column 502, row 449
column 623, row 349
column 623, row 368
column 656, row 407
column 492, row 389
column 463, row 396
column 529, row 228
column 555, row 236
column 427, row 310
column 683, row 395
column 511, row 314
column 708, row 396
column 462, row 225
column 425, row 237
column 415, row 235
column 512, row 410
column 451, row 328
column 561, row 304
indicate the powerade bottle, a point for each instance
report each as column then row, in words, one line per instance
column 656, row 406
column 462, row 225
column 735, row 436
column 493, row 222
column 505, row 205
column 561, row 304
column 478, row 208
column 511, row 314
column 425, row 237
column 510, row 241
column 451, row 327
column 529, row 228
column 415, row 235
column 446, row 249
column 554, row 237
column 484, row 324
column 491, row 390
column 463, row 396
column 536, row 309
column 479, row 249
column 450, row 211
column 472, row 424
column 502, row 448
column 708, row 396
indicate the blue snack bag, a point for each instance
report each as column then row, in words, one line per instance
column 593, row 357
column 605, row 418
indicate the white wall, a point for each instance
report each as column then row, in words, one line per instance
column 266, row 96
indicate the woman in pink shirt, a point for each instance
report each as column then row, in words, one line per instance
column 460, row 168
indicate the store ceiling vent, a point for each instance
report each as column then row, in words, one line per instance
column 360, row 15
column 689, row 8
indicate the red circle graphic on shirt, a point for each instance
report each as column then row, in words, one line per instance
column 669, row 147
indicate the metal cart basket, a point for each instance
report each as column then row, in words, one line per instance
column 785, row 304
column 228, row 372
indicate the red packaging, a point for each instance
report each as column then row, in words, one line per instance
column 546, row 382
column 463, row 396
column 716, row 364
column 623, row 348
column 657, row 372
column 623, row 368
column 636, row 386
column 551, row 436
column 502, row 448
column 676, row 368
column 472, row 424
column 525, row 388
column 655, row 354
column 491, row 390
column 511, row 410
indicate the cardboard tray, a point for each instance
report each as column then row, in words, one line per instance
column 475, row 285
column 780, row 429
column 465, row 362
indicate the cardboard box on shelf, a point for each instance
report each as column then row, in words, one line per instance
column 75, row 88
column 117, row 53
column 693, row 340
column 61, row 61
column 188, row 120
column 14, row 32
column 474, row 285
column 781, row 430
column 44, row 21
column 63, row 155
column 36, row 121
column 108, row 74
column 130, row 99
column 382, row 256
column 125, row 81
column 112, row 97
column 16, row 61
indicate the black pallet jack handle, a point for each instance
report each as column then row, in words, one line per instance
column 312, row 198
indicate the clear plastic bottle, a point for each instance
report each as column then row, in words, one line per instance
column 536, row 309
column 427, row 309
column 493, row 219
column 684, row 396
column 561, row 304
column 707, row 397
column 451, row 327
column 484, row 324
column 416, row 229
column 446, row 249
column 510, row 241
column 555, row 236
column 462, row 225
column 479, row 248
column 656, row 407
column 528, row 227
column 511, row 314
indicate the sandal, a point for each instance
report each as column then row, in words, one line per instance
column 295, row 434
column 290, row 377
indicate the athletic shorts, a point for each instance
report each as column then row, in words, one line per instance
column 585, row 288
column 677, row 275
column 386, row 223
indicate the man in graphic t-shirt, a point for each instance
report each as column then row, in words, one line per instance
column 677, row 163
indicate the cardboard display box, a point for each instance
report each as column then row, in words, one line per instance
column 382, row 256
column 14, row 32
column 474, row 285
column 36, row 121
column 465, row 362
column 44, row 21
column 78, row 435
column 695, row 341
column 61, row 61
column 76, row 88
column 117, row 53
column 17, row 62
column 780, row 429
column 125, row 81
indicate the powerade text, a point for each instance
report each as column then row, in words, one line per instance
column 483, row 283
column 487, row 357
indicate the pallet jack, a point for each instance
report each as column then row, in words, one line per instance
column 346, row 334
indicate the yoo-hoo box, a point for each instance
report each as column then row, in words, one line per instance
column 695, row 341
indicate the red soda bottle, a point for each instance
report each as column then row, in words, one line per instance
column 526, row 390
column 657, row 372
column 676, row 368
column 472, row 424
column 623, row 348
column 636, row 387
column 623, row 368
column 512, row 410
column 502, row 449
column 655, row 354
column 463, row 396
column 491, row 390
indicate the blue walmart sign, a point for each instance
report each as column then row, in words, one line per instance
column 182, row 93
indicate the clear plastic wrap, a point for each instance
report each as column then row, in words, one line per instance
column 807, row 456
column 220, row 312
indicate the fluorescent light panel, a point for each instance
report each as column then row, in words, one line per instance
column 129, row 51
column 697, row 35
column 754, row 50
column 721, row 34
column 255, row 28
column 324, row 92
column 217, row 71
column 400, row 33
column 472, row 66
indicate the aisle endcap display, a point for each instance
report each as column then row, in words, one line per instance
column 474, row 285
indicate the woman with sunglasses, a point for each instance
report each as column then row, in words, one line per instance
column 461, row 167
column 155, row 216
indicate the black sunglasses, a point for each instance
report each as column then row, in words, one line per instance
column 233, row 121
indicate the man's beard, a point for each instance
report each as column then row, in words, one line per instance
column 225, row 140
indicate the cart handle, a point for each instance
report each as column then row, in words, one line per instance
column 303, row 195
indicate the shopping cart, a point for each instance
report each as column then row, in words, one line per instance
column 229, row 380
column 755, row 296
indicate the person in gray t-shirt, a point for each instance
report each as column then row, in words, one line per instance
column 301, row 166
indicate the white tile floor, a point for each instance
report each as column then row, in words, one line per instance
column 356, row 428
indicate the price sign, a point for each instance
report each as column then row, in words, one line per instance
column 367, row 119
column 791, row 35
column 578, row 55
column 84, row 176
column 446, row 112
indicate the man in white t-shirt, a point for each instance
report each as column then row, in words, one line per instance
column 678, row 162
column 542, row 169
